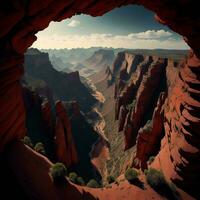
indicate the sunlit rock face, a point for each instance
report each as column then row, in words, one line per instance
column 21, row 20
column 182, row 124
column 136, row 100
column 175, row 88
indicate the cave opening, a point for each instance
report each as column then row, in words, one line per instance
column 87, row 50
column 27, row 39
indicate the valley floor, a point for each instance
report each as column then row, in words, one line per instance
column 118, row 160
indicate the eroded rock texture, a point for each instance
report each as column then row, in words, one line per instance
column 149, row 136
column 55, row 134
column 182, row 125
column 21, row 20
column 65, row 147
column 134, row 101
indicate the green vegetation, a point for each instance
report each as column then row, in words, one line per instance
column 93, row 184
column 73, row 177
column 39, row 147
column 157, row 181
column 131, row 175
column 58, row 172
column 184, row 89
column 110, row 179
column 131, row 105
column 151, row 159
column 155, row 178
column 80, row 181
column 27, row 141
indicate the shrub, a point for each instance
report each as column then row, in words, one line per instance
column 39, row 147
column 58, row 172
column 27, row 141
column 110, row 179
column 80, row 181
column 73, row 177
column 157, row 181
column 155, row 178
column 151, row 159
column 93, row 184
column 131, row 175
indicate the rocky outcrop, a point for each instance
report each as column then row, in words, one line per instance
column 145, row 96
column 56, row 135
column 148, row 138
column 122, row 117
column 65, row 147
column 135, row 100
column 126, row 63
column 126, row 90
column 47, row 117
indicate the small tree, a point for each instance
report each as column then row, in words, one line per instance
column 58, row 172
column 131, row 175
column 39, row 147
column 110, row 179
column 93, row 184
column 27, row 141
column 80, row 181
column 73, row 177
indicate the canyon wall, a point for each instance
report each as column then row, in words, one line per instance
column 136, row 98
column 156, row 108
column 64, row 131
column 39, row 71
column 22, row 20
column 53, row 131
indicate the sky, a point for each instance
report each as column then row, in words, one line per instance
column 126, row 27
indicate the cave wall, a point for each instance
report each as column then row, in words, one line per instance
column 22, row 19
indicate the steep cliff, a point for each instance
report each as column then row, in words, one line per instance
column 65, row 147
column 136, row 98
column 67, row 135
column 181, row 122
column 38, row 66
column 100, row 59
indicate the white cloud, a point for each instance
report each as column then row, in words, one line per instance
column 143, row 40
column 151, row 34
column 74, row 23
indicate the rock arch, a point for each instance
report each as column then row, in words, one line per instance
column 22, row 19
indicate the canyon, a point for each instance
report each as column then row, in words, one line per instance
column 169, row 131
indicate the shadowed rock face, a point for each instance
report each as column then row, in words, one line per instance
column 22, row 20
column 66, row 134
column 65, row 147
column 39, row 68
column 56, row 136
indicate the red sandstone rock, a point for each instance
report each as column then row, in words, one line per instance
column 47, row 117
column 149, row 136
column 122, row 117
column 65, row 147
column 75, row 108
column 139, row 94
